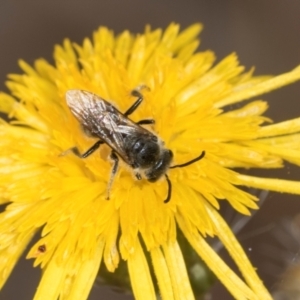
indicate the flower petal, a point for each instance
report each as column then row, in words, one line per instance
column 231, row 281
column 237, row 253
column 162, row 273
column 261, row 88
column 86, row 275
column 272, row 184
column 286, row 127
column 140, row 277
column 177, row 269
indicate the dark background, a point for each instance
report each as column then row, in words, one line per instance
column 264, row 33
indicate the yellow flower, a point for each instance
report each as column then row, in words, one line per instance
column 66, row 195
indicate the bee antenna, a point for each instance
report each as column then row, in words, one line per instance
column 189, row 162
column 169, row 189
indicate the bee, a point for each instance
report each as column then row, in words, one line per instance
column 139, row 148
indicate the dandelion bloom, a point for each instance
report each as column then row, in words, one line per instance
column 65, row 196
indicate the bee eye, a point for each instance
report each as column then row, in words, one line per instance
column 162, row 163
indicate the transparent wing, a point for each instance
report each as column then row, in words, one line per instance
column 103, row 120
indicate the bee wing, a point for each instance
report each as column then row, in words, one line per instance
column 88, row 108
column 102, row 119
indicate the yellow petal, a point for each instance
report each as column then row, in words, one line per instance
column 272, row 184
column 231, row 281
column 140, row 275
column 286, row 127
column 162, row 274
column 261, row 88
column 235, row 250
column 177, row 269
column 51, row 283
column 86, row 275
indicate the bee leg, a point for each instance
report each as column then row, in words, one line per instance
column 169, row 189
column 75, row 150
column 92, row 149
column 115, row 158
column 136, row 104
column 146, row 122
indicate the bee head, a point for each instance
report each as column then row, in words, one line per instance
column 160, row 167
